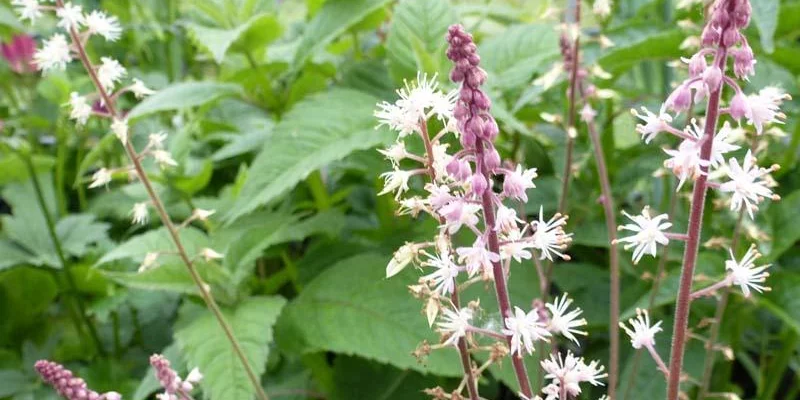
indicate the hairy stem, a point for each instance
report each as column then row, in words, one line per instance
column 572, row 109
column 693, row 241
column 501, row 289
column 134, row 157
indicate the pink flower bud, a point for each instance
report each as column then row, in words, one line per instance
column 491, row 158
column 680, row 99
column 490, row 129
column 743, row 62
column 481, row 100
column 712, row 77
column 739, row 106
column 479, row 184
column 697, row 64
column 730, row 37
column 710, row 36
column 475, row 126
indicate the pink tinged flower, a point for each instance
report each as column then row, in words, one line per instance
column 395, row 181
column 19, row 53
column 588, row 113
column 744, row 62
column 764, row 107
column 55, row 54
column 517, row 182
column 697, row 64
column 516, row 246
column 712, row 77
column 653, row 124
column 491, row 159
column 647, row 233
column 642, row 334
column 739, row 106
column 747, row 184
column 68, row 385
column 477, row 258
column 525, row 329
column 506, row 220
column 571, row 371
column 478, row 184
column 746, row 274
column 679, row 100
column 549, row 237
column 454, row 324
column 439, row 196
column 441, row 160
column 563, row 321
column 458, row 213
column 459, row 169
column 685, row 162
column 444, row 277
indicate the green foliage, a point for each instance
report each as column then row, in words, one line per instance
column 415, row 37
column 183, row 95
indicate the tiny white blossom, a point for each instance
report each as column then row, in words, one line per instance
column 653, row 124
column 565, row 322
column 454, row 324
column 412, row 206
column 571, row 371
column 549, row 237
column 642, row 334
column 764, row 107
column 80, row 110
column 98, row 22
column 722, row 144
column 110, row 72
column 648, row 232
column 685, row 162
column 747, row 184
column 440, row 160
column 602, row 8
column 397, row 118
column 395, row 153
column 100, row 178
column 156, row 140
column 395, row 181
column 70, row 16
column 149, row 261
column 194, row 376
column 549, row 78
column 55, row 54
column 444, row 277
column 515, row 246
column 139, row 89
column 401, row 258
column 140, row 214
column 458, row 213
column 27, row 9
column 477, row 258
column 164, row 158
column 524, row 329
column 120, row 129
column 209, row 254
column 506, row 219
column 746, row 274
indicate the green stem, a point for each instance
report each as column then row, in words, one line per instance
column 61, row 163
column 318, row 191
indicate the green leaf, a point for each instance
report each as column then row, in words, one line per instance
column 157, row 240
column 351, row 308
column 513, row 57
column 765, row 16
column 317, row 131
column 335, row 17
column 206, row 347
column 170, row 277
column 184, row 95
column 785, row 222
column 635, row 44
column 13, row 255
column 242, row 144
column 78, row 231
column 356, row 378
column 254, row 34
column 417, row 35
column 784, row 298
column 13, row 382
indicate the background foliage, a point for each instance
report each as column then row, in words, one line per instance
column 268, row 106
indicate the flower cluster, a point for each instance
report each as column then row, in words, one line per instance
column 68, row 385
column 175, row 388
column 459, row 192
column 566, row 373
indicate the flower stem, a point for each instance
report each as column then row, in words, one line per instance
column 693, row 241
column 611, row 226
column 165, row 219
column 501, row 289
column 572, row 109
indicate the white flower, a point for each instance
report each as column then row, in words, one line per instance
column 140, row 213
column 478, row 258
column 745, row 273
column 517, row 182
column 549, row 78
column 412, row 206
column 201, row 214
column 515, row 246
column 156, row 140
column 401, row 258
column 506, row 219
column 97, row 22
column 524, row 329
column 763, row 108
column 54, row 54
column 602, row 8
column 140, row 90
column 587, row 113
column 647, row 233
column 444, row 278
column 549, row 237
column 653, row 124
column 110, row 72
column 397, row 118
column 571, row 371
column 642, row 334
column 80, row 110
column 194, row 376
column 443, row 105
column 27, row 9
column 454, row 324
column 110, row 396
column 563, row 322
column 458, row 213
column 70, row 16
column 209, row 254
column 395, row 153
column 100, row 178
column 149, row 261
column 120, row 129
column 440, row 160
column 395, row 181
column 164, row 158
column 747, row 184
column 419, row 100
column 722, row 145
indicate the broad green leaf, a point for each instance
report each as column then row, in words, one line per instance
column 10, row 19
column 12, row 169
column 78, row 231
column 12, row 255
column 252, row 35
column 765, row 16
column 206, row 347
column 157, row 240
column 335, row 17
column 169, row 276
column 351, row 308
column 25, row 295
column 242, row 144
column 184, row 95
column 785, row 222
column 512, row 58
column 784, row 298
column 13, row 382
column 317, row 131
column 356, row 378
column 418, row 34
column 635, row 44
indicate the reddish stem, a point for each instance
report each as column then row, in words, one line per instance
column 572, row 113
column 693, row 240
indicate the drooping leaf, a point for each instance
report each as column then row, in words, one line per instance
column 206, row 347
column 416, row 37
column 184, row 95
column 342, row 123
column 351, row 308
column 511, row 58
column 252, row 35
column 335, row 17
column 765, row 16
